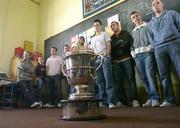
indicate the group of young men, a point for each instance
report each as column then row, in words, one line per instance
column 149, row 43
column 156, row 41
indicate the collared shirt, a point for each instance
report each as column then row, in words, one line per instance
column 138, row 27
column 54, row 65
column 141, row 42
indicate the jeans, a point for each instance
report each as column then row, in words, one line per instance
column 40, row 83
column 164, row 55
column 104, row 80
column 54, row 93
column 145, row 64
column 95, row 90
column 120, row 69
column 27, row 91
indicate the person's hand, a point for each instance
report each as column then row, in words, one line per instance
column 133, row 54
column 37, row 78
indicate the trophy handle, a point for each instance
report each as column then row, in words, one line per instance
column 63, row 70
column 101, row 57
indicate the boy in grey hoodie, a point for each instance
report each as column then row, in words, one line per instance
column 164, row 35
column 142, row 52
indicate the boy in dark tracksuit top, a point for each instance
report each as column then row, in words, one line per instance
column 123, row 64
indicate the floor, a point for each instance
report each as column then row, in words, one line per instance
column 116, row 118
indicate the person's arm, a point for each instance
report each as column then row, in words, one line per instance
column 31, row 68
column 47, row 66
column 108, row 49
column 150, row 35
column 176, row 16
column 132, row 48
column 108, row 44
column 61, row 63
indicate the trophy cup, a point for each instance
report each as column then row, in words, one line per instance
column 79, row 68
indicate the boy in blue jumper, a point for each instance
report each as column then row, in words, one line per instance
column 164, row 35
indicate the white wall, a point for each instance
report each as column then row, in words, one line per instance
column 18, row 22
column 56, row 16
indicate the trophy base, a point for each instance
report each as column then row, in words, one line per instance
column 81, row 110
column 81, row 96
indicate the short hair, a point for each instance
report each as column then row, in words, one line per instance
column 54, row 48
column 134, row 12
column 82, row 37
column 153, row 0
column 97, row 20
column 66, row 45
column 115, row 22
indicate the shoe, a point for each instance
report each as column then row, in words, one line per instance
column 119, row 105
column 155, row 103
column 59, row 105
column 48, row 106
column 101, row 105
column 111, row 106
column 135, row 103
column 35, row 105
column 167, row 104
column 41, row 104
column 148, row 103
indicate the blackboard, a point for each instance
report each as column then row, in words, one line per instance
column 123, row 9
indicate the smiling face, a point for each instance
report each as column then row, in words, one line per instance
column 157, row 6
column 136, row 18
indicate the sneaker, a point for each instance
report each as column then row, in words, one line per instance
column 119, row 104
column 167, row 104
column 155, row 103
column 41, row 104
column 148, row 103
column 59, row 105
column 111, row 106
column 135, row 103
column 48, row 106
column 101, row 105
column 35, row 104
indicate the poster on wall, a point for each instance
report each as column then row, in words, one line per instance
column 89, row 33
column 109, row 20
column 93, row 7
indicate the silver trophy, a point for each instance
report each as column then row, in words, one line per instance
column 79, row 68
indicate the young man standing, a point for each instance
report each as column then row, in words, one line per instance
column 53, row 71
column 40, row 74
column 123, row 63
column 164, row 35
column 80, row 45
column 100, row 44
column 142, row 52
column 24, row 78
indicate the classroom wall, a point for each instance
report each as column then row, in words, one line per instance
column 56, row 16
column 18, row 22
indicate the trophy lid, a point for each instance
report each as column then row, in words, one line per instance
column 77, row 52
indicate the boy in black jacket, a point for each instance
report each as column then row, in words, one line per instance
column 123, row 64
